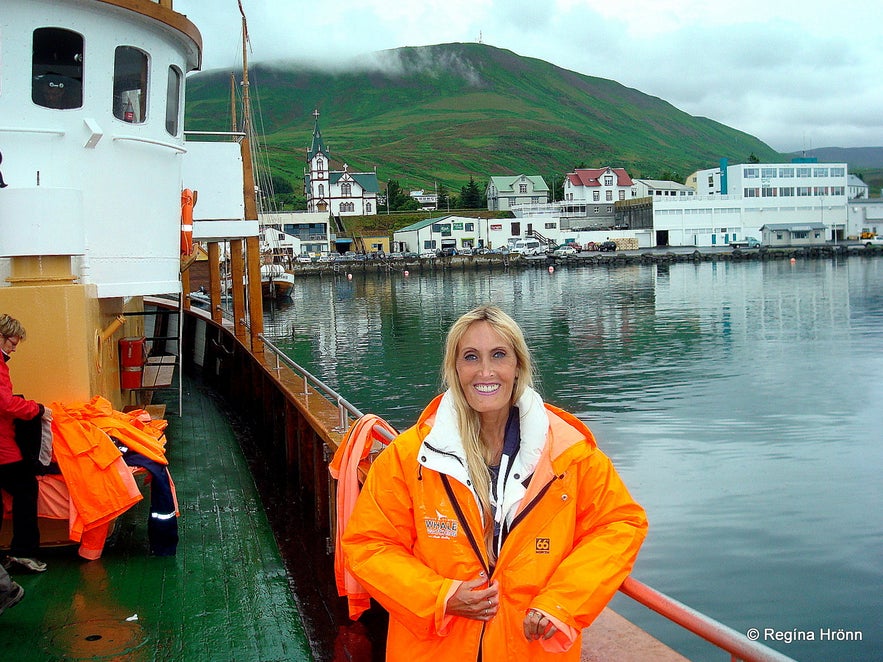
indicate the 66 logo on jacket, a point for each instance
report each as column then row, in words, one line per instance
column 543, row 545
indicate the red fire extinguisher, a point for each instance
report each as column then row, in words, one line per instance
column 129, row 115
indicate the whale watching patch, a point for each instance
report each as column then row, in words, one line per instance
column 440, row 526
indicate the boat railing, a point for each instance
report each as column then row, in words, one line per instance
column 738, row 645
column 345, row 409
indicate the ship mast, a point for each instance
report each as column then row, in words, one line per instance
column 251, row 210
column 252, row 246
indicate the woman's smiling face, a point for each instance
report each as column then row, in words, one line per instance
column 486, row 368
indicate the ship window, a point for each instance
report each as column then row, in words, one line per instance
column 57, row 68
column 173, row 101
column 130, row 84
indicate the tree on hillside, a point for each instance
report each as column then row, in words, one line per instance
column 281, row 185
column 470, row 195
column 444, row 200
column 556, row 188
column 397, row 199
column 752, row 158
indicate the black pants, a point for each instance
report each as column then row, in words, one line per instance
column 19, row 481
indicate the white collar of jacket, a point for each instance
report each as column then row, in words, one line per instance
column 442, row 449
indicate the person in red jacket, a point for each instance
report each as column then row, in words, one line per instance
column 16, row 476
column 494, row 528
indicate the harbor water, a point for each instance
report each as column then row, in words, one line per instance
column 741, row 401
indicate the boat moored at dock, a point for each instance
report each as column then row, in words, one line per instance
column 94, row 162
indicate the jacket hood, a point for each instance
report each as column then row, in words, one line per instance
column 550, row 437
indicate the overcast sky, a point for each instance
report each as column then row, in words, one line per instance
column 798, row 74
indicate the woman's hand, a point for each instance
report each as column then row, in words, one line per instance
column 536, row 625
column 475, row 599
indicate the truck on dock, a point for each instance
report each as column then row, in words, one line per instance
column 747, row 242
column 873, row 241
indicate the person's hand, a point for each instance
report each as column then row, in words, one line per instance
column 537, row 625
column 47, row 414
column 475, row 599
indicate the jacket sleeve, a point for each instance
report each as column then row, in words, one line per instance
column 610, row 528
column 378, row 544
column 15, row 406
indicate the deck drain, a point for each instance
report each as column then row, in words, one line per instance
column 95, row 639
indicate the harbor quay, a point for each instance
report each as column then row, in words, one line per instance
column 658, row 255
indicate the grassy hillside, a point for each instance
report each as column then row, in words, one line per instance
column 445, row 113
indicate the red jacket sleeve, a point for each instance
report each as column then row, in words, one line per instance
column 14, row 406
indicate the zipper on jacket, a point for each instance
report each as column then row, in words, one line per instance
column 527, row 509
column 470, row 536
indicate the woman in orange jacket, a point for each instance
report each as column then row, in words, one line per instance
column 494, row 528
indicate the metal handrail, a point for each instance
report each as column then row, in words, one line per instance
column 740, row 647
column 344, row 407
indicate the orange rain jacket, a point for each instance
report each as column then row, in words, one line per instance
column 574, row 535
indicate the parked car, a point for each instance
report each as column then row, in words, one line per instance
column 528, row 246
column 428, row 254
column 447, row 251
column 876, row 241
column 465, row 251
column 607, row 246
column 564, row 251
column 591, row 246
column 304, row 258
column 747, row 242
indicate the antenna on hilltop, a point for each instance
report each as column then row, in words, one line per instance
column 479, row 36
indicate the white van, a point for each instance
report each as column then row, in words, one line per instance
column 528, row 247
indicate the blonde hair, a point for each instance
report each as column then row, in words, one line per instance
column 468, row 421
column 11, row 327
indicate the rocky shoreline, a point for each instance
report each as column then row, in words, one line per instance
column 622, row 258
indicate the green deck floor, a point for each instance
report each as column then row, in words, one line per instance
column 225, row 596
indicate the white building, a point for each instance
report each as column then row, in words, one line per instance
column 589, row 196
column 295, row 232
column 750, row 196
column 864, row 216
column 856, row 188
column 340, row 192
column 706, row 182
column 658, row 188
column 793, row 234
column 427, row 201
column 504, row 192
column 433, row 234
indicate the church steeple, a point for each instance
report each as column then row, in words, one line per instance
column 318, row 146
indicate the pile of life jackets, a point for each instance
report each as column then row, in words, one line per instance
column 95, row 448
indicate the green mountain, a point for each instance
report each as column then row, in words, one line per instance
column 445, row 113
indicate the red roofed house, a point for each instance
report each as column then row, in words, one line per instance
column 589, row 196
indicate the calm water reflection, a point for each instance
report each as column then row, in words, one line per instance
column 742, row 403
